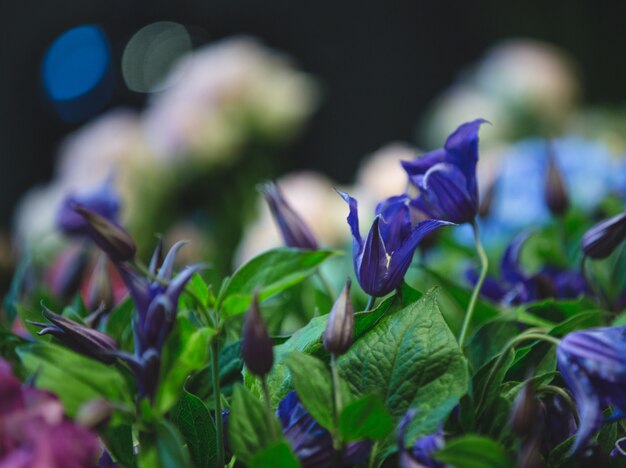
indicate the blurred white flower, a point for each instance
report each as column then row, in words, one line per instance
column 313, row 197
column 223, row 93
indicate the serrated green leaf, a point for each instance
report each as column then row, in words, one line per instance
column 170, row 446
column 119, row 442
column 474, row 451
column 248, row 431
column 365, row 418
column 73, row 378
column 269, row 273
column 312, row 382
column 197, row 428
column 411, row 359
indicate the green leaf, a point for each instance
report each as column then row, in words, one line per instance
column 73, row 378
column 119, row 442
column 270, row 273
column 487, row 381
column 473, row 451
column 230, row 366
column 411, row 359
column 311, row 380
column 200, row 291
column 197, row 428
column 118, row 325
column 248, row 433
column 277, row 456
column 580, row 321
column 490, row 340
column 170, row 446
column 185, row 351
column 365, row 418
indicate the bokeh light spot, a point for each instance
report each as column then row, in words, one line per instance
column 76, row 72
column 150, row 54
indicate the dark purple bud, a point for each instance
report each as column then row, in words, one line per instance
column 114, row 240
column 525, row 413
column 292, row 227
column 104, row 201
column 77, row 337
column 339, row 332
column 446, row 178
column 555, row 190
column 600, row 241
column 94, row 414
column 593, row 365
column 383, row 258
column 256, row 348
column 100, row 288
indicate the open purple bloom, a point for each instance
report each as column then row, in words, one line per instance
column 446, row 177
column 383, row 258
column 600, row 241
column 156, row 302
column 34, row 431
column 310, row 442
column 82, row 339
column 593, row 364
column 292, row 227
column 103, row 201
column 423, row 449
column 515, row 286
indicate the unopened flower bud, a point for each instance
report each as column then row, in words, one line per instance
column 256, row 348
column 114, row 240
column 555, row 191
column 94, row 413
column 525, row 412
column 600, row 241
column 339, row 332
column 292, row 227
column 100, row 288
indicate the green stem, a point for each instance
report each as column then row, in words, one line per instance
column 330, row 291
column 337, row 405
column 370, row 303
column 511, row 344
column 217, row 395
column 484, row 265
column 373, row 455
column 269, row 415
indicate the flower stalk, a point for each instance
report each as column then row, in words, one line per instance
column 217, row 398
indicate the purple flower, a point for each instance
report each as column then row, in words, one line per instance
column 104, row 201
column 156, row 302
column 34, row 432
column 423, row 449
column 518, row 287
column 82, row 339
column 600, row 241
column 382, row 260
column 310, row 442
column 446, row 177
column 292, row 227
column 593, row 364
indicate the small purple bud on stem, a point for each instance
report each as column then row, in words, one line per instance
column 339, row 332
column 115, row 241
column 256, row 348
column 525, row 412
column 555, row 190
column 600, row 241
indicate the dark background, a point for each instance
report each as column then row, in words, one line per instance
column 379, row 63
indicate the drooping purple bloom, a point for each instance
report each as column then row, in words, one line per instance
column 515, row 286
column 103, row 201
column 310, row 442
column 156, row 302
column 82, row 339
column 600, row 241
column 34, row 431
column 446, row 177
column 292, row 227
column 383, row 258
column 593, row 364
column 421, row 454
column 256, row 346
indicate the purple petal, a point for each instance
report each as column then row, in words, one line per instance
column 509, row 265
column 371, row 264
column 353, row 219
column 445, row 190
column 167, row 267
column 421, row 164
column 599, row 241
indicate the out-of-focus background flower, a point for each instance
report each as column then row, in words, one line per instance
column 187, row 107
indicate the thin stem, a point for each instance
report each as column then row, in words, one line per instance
column 268, row 407
column 370, row 303
column 484, row 265
column 337, row 405
column 330, row 291
column 373, row 455
column 217, row 396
